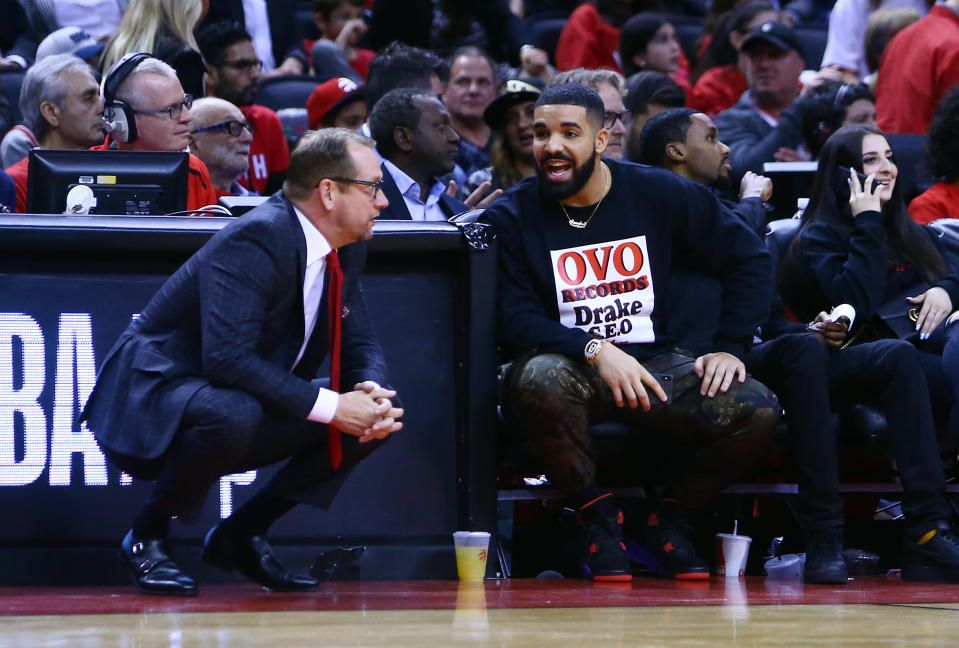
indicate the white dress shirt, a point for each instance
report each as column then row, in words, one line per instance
column 258, row 27
column 430, row 210
column 317, row 247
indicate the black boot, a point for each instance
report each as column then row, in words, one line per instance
column 606, row 558
column 933, row 558
column 825, row 564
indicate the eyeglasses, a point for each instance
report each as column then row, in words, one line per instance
column 365, row 183
column 231, row 126
column 174, row 111
column 245, row 65
column 610, row 118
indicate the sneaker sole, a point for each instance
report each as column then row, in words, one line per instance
column 614, row 578
column 646, row 558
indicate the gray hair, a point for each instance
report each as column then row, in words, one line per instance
column 146, row 66
column 318, row 155
column 591, row 79
column 44, row 82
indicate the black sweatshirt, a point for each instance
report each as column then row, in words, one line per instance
column 614, row 281
column 857, row 268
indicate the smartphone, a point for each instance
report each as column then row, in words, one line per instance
column 666, row 382
column 842, row 182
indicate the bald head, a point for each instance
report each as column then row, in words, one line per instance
column 217, row 137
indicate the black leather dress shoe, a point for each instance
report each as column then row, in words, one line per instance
column 152, row 570
column 253, row 557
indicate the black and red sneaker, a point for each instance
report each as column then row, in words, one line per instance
column 662, row 545
column 606, row 558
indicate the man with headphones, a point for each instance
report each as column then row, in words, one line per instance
column 145, row 109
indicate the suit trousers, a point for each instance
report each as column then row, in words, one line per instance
column 695, row 446
column 812, row 380
column 225, row 431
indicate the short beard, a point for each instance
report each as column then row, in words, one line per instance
column 721, row 183
column 571, row 187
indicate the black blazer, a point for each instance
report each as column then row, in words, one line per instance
column 397, row 208
column 231, row 316
column 284, row 33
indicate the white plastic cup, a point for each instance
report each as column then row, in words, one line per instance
column 472, row 548
column 731, row 554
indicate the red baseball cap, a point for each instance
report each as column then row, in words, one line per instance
column 329, row 96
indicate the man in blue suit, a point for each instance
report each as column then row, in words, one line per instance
column 217, row 374
column 415, row 136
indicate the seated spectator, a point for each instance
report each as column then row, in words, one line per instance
column 511, row 118
column 99, row 18
column 845, row 44
column 232, row 74
column 831, row 105
column 804, row 365
column 941, row 200
column 590, row 37
column 163, row 28
column 72, row 40
column 336, row 54
column 18, row 43
column 648, row 42
column 721, row 78
column 69, row 40
column 221, row 137
column 570, row 371
column 337, row 102
column 920, row 65
column 402, row 66
column 882, row 26
column 272, row 25
column 145, row 109
column 416, row 139
column 471, row 87
column 648, row 94
column 609, row 86
column 60, row 102
column 766, row 123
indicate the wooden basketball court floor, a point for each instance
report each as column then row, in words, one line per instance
column 869, row 611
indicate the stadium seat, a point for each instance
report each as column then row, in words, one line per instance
column 813, row 45
column 544, row 34
column 914, row 175
column 286, row 91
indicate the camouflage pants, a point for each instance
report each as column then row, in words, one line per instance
column 699, row 444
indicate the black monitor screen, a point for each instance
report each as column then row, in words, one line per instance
column 122, row 182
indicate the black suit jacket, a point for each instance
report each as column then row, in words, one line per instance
column 397, row 208
column 284, row 33
column 231, row 316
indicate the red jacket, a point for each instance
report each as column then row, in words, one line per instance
column 941, row 200
column 918, row 67
column 717, row 89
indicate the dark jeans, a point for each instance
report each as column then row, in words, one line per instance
column 812, row 380
column 225, row 431
column 706, row 443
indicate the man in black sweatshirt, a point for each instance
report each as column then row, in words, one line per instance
column 803, row 363
column 587, row 248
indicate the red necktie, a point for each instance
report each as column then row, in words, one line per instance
column 335, row 302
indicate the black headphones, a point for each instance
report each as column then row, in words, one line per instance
column 118, row 116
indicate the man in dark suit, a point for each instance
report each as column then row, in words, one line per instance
column 216, row 375
column 415, row 136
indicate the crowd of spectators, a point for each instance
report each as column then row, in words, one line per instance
column 712, row 91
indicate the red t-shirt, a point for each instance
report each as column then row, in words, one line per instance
column 941, row 200
column 269, row 152
column 717, row 89
column 18, row 172
column 918, row 67
column 361, row 62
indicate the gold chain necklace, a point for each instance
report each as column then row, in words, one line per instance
column 582, row 224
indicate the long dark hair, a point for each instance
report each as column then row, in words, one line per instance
column 908, row 240
column 720, row 51
column 634, row 39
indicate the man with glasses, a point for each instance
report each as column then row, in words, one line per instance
column 161, row 111
column 415, row 136
column 221, row 136
column 610, row 87
column 219, row 373
column 233, row 72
